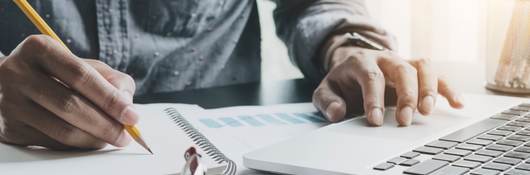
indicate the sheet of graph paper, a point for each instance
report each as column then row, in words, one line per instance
column 237, row 130
column 167, row 141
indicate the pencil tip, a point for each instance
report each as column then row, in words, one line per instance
column 143, row 144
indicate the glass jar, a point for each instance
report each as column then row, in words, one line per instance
column 508, row 46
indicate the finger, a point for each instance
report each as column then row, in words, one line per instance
column 428, row 86
column 78, row 75
column 372, row 82
column 120, row 80
column 405, row 80
column 66, row 106
column 329, row 103
column 450, row 94
column 23, row 135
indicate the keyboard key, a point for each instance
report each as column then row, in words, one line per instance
column 477, row 158
column 446, row 157
column 523, row 149
column 497, row 166
column 517, row 155
column 466, row 164
column 409, row 162
column 519, row 138
column 410, row 155
column 523, row 133
column 442, row 144
column 426, row 167
column 469, row 132
column 383, row 166
column 396, row 160
column 514, row 112
column 500, row 133
column 518, row 124
column 509, row 128
column 519, row 108
column 481, row 142
column 490, row 153
column 483, row 171
column 509, row 143
column 490, row 137
column 526, row 105
column 458, row 152
column 503, row 117
column 428, row 150
column 525, row 120
column 453, row 170
column 517, row 172
column 524, row 166
column 470, row 147
column 506, row 160
column 498, row 147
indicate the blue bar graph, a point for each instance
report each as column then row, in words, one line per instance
column 250, row 120
column 231, row 121
column 210, row 123
column 289, row 118
column 310, row 117
column 260, row 120
column 270, row 119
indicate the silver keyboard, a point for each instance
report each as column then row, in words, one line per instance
column 496, row 145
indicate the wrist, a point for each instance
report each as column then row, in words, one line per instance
column 328, row 50
column 349, row 40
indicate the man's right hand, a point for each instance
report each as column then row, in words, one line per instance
column 51, row 98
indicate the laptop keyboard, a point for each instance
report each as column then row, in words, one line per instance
column 496, row 145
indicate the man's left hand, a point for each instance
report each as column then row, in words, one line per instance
column 363, row 80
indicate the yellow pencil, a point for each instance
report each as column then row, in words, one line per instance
column 45, row 29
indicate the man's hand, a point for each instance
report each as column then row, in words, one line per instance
column 51, row 98
column 358, row 79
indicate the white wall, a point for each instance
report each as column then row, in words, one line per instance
column 275, row 64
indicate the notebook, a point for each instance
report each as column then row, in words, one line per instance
column 164, row 128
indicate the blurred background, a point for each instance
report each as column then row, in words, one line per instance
column 445, row 31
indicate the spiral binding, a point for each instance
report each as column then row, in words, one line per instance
column 201, row 141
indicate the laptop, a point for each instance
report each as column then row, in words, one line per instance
column 489, row 136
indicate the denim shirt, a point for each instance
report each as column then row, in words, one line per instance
column 170, row 45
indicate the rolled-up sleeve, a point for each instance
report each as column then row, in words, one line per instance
column 304, row 26
column 1, row 54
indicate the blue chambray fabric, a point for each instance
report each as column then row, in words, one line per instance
column 171, row 45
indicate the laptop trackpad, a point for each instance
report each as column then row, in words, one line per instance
column 422, row 126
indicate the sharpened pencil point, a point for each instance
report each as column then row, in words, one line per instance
column 143, row 144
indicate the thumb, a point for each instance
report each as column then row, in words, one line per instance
column 329, row 103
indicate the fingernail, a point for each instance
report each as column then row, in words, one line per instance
column 123, row 140
column 459, row 100
column 406, row 116
column 427, row 103
column 129, row 116
column 377, row 116
column 330, row 110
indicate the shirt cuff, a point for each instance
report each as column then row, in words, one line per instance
column 323, row 30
